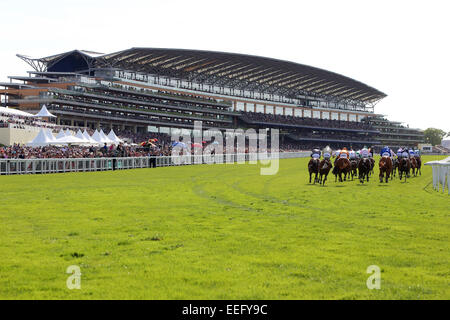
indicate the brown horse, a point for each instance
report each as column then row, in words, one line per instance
column 413, row 166
column 372, row 165
column 385, row 168
column 364, row 169
column 313, row 167
column 395, row 164
column 343, row 167
column 403, row 168
column 354, row 168
column 324, row 168
column 419, row 165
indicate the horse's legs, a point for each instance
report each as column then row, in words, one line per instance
column 381, row 176
column 310, row 173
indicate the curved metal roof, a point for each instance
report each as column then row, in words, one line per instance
column 239, row 71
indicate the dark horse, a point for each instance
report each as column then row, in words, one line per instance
column 313, row 167
column 395, row 164
column 364, row 166
column 324, row 168
column 385, row 166
column 372, row 165
column 403, row 168
column 343, row 166
column 354, row 167
column 414, row 166
column 419, row 165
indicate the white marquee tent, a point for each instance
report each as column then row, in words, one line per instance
column 15, row 112
column 112, row 136
column 44, row 113
column 42, row 139
column 60, row 134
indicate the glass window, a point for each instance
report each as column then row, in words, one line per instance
column 288, row 111
column 325, row 115
column 297, row 112
column 352, row 117
column 269, row 109
column 307, row 113
column 334, row 116
column 260, row 108
column 239, row 106
column 279, row 110
column 316, row 114
column 250, row 107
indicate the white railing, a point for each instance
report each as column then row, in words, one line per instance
column 40, row 166
column 441, row 174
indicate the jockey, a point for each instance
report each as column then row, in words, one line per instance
column 326, row 153
column 399, row 153
column 417, row 153
column 352, row 155
column 364, row 153
column 344, row 153
column 411, row 153
column 385, row 152
column 337, row 153
column 315, row 154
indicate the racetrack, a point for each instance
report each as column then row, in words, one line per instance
column 222, row 232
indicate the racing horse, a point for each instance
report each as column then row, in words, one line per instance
column 372, row 165
column 364, row 166
column 404, row 166
column 385, row 166
column 414, row 166
column 419, row 165
column 354, row 168
column 324, row 168
column 395, row 163
column 343, row 166
column 313, row 167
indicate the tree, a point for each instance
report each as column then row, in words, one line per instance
column 434, row 136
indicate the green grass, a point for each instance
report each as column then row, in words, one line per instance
column 221, row 232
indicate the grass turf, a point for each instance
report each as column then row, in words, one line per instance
column 221, row 232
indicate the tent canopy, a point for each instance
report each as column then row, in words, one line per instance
column 15, row 112
column 44, row 113
column 42, row 139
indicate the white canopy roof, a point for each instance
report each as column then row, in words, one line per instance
column 112, row 136
column 50, row 134
column 69, row 140
column 60, row 134
column 68, row 132
column 105, row 138
column 100, row 137
column 15, row 112
column 42, row 139
column 91, row 140
column 44, row 113
column 81, row 136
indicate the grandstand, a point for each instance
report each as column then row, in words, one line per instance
column 155, row 90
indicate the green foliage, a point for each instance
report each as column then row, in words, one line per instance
column 434, row 136
column 221, row 232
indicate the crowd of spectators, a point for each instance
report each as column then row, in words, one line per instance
column 301, row 121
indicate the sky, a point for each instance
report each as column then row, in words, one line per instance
column 401, row 48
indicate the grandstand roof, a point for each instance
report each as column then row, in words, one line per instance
column 239, row 71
